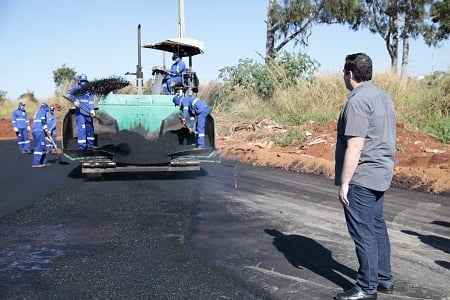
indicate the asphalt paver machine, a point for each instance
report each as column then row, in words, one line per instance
column 143, row 133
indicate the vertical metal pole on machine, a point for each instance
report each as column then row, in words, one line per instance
column 181, row 25
column 139, row 73
column 181, row 30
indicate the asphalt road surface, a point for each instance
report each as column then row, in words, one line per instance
column 230, row 231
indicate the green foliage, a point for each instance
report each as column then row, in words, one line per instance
column 292, row 20
column 341, row 11
column 265, row 78
column 64, row 77
column 147, row 88
column 436, row 108
column 439, row 128
column 440, row 12
column 291, row 137
column 3, row 95
column 28, row 97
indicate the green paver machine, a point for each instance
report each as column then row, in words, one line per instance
column 143, row 133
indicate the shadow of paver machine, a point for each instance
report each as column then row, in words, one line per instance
column 143, row 133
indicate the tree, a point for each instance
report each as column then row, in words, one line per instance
column 289, row 20
column 397, row 20
column 440, row 27
column 3, row 95
column 382, row 17
column 415, row 16
column 28, row 97
column 64, row 77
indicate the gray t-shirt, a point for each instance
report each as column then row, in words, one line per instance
column 369, row 113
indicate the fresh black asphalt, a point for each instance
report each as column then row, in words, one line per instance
column 230, row 231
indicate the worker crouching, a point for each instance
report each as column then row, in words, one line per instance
column 193, row 111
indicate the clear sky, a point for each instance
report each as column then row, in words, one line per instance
column 99, row 38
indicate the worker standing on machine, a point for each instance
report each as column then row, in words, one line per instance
column 21, row 127
column 84, row 101
column 40, row 131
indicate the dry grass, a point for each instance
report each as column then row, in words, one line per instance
column 418, row 105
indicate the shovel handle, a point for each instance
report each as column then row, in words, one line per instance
column 53, row 142
column 85, row 110
column 184, row 123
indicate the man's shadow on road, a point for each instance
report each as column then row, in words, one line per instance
column 434, row 241
column 304, row 252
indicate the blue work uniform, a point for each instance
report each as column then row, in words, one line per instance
column 51, row 124
column 196, row 111
column 174, row 77
column 85, row 123
column 21, row 126
column 39, row 132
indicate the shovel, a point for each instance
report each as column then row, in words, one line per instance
column 49, row 136
column 185, row 125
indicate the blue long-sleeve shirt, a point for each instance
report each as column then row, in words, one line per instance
column 197, row 106
column 40, row 120
column 190, row 107
column 51, row 121
column 177, row 68
column 86, row 99
column 19, row 118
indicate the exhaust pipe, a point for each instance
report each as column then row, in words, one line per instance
column 139, row 74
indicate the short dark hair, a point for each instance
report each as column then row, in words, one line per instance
column 361, row 66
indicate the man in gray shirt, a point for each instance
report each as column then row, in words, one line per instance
column 365, row 154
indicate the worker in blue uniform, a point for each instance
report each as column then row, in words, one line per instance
column 175, row 75
column 40, row 131
column 197, row 111
column 51, row 124
column 21, row 127
column 84, row 112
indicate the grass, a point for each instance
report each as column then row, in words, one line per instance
column 422, row 105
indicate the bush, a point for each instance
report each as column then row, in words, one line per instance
column 28, row 97
column 3, row 95
column 264, row 78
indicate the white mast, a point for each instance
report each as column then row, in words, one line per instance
column 181, row 30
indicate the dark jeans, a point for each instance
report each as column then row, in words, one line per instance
column 368, row 230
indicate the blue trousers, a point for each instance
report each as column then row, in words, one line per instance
column 39, row 157
column 366, row 226
column 85, row 134
column 200, row 128
column 169, row 82
column 23, row 141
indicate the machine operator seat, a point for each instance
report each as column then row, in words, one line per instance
column 190, row 80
